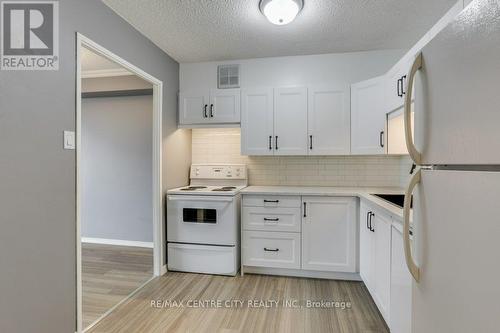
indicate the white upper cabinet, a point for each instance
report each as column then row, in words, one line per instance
column 368, row 119
column 290, row 121
column 193, row 107
column 224, row 106
column 395, row 86
column 329, row 234
column 329, row 120
column 257, row 112
column 209, row 107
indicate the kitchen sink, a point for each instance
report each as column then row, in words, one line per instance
column 395, row 199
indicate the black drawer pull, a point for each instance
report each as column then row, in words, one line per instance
column 382, row 139
column 276, row 143
column 403, row 79
column 205, row 111
column 305, row 209
column 372, row 229
column 272, row 220
column 273, row 201
column 310, row 142
column 271, row 250
column 270, row 142
column 211, row 110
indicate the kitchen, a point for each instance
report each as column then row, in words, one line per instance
column 307, row 186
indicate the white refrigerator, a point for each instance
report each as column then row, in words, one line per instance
column 455, row 256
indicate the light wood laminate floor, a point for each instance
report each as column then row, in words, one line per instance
column 138, row 314
column 109, row 274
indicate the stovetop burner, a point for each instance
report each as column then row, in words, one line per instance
column 224, row 189
column 193, row 188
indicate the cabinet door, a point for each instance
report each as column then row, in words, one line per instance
column 329, row 234
column 224, row 106
column 382, row 262
column 400, row 304
column 257, row 137
column 290, row 121
column 329, row 120
column 365, row 246
column 368, row 117
column 193, row 107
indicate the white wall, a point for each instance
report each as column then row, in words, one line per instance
column 117, row 164
column 294, row 71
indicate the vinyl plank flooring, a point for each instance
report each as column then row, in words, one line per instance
column 109, row 274
column 138, row 315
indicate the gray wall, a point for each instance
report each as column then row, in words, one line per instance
column 37, row 177
column 117, row 187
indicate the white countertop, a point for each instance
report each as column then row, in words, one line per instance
column 364, row 193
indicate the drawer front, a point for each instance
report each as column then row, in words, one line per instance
column 282, row 201
column 271, row 249
column 271, row 219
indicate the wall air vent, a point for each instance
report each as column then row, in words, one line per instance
column 228, row 76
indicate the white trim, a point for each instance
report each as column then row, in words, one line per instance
column 158, row 248
column 120, row 242
column 105, row 73
column 163, row 270
column 118, row 304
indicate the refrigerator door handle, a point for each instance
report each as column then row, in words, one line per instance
column 412, row 266
column 412, row 150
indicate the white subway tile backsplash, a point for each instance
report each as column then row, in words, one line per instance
column 223, row 146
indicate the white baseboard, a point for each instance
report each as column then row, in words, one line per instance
column 301, row 273
column 163, row 270
column 120, row 242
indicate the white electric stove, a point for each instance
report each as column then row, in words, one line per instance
column 203, row 220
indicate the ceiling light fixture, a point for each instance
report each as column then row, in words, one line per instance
column 280, row 12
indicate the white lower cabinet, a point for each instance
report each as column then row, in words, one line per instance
column 271, row 249
column 310, row 234
column 329, row 234
column 401, row 281
column 375, row 256
column 382, row 263
column 365, row 246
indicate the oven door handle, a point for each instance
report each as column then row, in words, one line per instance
column 198, row 198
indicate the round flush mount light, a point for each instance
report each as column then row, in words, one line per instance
column 280, row 12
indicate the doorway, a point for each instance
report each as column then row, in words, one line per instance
column 118, row 181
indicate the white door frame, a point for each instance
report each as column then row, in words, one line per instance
column 158, row 250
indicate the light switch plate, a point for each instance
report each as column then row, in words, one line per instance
column 69, row 140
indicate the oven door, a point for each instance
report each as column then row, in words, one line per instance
column 209, row 220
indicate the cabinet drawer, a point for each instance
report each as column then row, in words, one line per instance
column 271, row 249
column 290, row 201
column 271, row 219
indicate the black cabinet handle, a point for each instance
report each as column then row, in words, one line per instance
column 274, row 201
column 382, row 139
column 211, row 110
column 310, row 142
column 276, row 142
column 271, row 250
column 305, row 209
column 205, row 111
column 272, row 220
column 270, row 142
column 372, row 229
column 403, row 92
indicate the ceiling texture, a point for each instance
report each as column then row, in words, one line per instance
column 214, row 30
